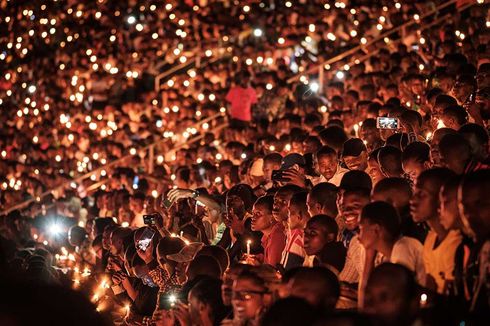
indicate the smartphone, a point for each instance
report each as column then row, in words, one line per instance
column 167, row 301
column 136, row 180
column 149, row 219
column 278, row 175
column 145, row 239
column 415, row 47
column 388, row 123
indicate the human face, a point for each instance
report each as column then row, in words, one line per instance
column 261, row 218
column 235, row 206
column 195, row 310
column 327, row 166
column 267, row 168
column 247, row 299
column 417, row 87
column 384, row 301
column 474, row 208
column 314, row 208
column 316, row 237
column 281, row 201
column 374, row 171
column 295, row 217
column 413, row 169
column 370, row 135
column 356, row 162
column 350, row 207
column 448, row 209
column 308, row 291
column 424, row 202
column 368, row 234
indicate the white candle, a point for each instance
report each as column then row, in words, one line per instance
column 249, row 242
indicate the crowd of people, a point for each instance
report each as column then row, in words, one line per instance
column 357, row 197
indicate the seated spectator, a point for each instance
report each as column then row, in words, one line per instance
column 294, row 253
column 380, row 230
column 318, row 286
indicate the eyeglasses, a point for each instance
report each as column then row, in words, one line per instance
column 246, row 295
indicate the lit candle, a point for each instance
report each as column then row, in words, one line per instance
column 356, row 130
column 127, row 308
column 249, row 242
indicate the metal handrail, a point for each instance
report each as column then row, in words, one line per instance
column 375, row 40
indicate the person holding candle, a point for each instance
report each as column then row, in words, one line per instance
column 274, row 237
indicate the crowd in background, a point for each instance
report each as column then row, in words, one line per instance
column 359, row 197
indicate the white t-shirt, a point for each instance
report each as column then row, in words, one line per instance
column 409, row 253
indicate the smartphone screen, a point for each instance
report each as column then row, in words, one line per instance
column 149, row 219
column 145, row 239
column 388, row 123
column 136, row 180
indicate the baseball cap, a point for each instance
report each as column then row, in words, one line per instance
column 187, row 253
column 353, row 147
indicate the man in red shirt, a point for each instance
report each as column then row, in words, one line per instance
column 241, row 97
column 274, row 238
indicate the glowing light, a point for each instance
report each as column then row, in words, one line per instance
column 258, row 32
column 340, row 74
column 131, row 20
column 314, row 86
column 55, row 228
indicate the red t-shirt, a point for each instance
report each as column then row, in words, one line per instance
column 274, row 244
column 241, row 100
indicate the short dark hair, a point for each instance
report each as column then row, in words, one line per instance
column 400, row 185
column 445, row 100
column 456, row 112
column 274, row 158
column 267, row 201
column 326, row 151
column 437, row 176
column 327, row 282
column 383, row 214
column 208, row 291
column 390, row 159
column 418, row 151
column 326, row 222
column 333, row 136
column 325, row 194
column 290, row 311
column 454, row 143
column 477, row 130
column 299, row 200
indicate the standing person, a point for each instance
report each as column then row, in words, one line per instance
column 241, row 98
